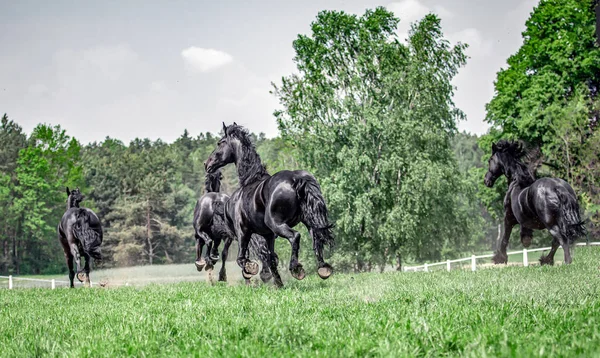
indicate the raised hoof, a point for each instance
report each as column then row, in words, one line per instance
column 325, row 271
column 266, row 276
column 298, row 273
column 499, row 258
column 200, row 264
column 81, row 276
column 246, row 275
column 251, row 268
column 545, row 260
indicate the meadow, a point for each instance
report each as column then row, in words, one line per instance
column 508, row 312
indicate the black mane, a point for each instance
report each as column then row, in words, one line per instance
column 514, row 167
column 212, row 183
column 250, row 166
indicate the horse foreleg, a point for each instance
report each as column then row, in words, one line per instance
column 200, row 262
column 248, row 267
column 549, row 259
column 500, row 257
column 224, row 253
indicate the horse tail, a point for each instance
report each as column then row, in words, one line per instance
column 314, row 211
column 570, row 224
column 89, row 238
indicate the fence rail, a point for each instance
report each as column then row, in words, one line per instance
column 425, row 267
column 52, row 282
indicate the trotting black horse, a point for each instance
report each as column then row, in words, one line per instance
column 211, row 228
column 80, row 233
column 546, row 203
column 271, row 205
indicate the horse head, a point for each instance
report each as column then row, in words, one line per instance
column 225, row 152
column 504, row 155
column 74, row 197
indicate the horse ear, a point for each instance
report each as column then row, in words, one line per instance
column 494, row 147
column 235, row 124
column 225, row 129
column 68, row 191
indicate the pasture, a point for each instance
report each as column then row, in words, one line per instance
column 511, row 311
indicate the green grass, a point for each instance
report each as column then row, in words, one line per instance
column 513, row 311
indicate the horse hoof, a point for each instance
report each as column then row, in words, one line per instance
column 544, row 260
column 222, row 278
column 81, row 276
column 500, row 259
column 266, row 276
column 200, row 264
column 209, row 266
column 298, row 273
column 246, row 275
column 325, row 271
column 251, row 267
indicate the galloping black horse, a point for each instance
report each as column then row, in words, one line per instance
column 79, row 231
column 546, row 203
column 210, row 228
column 271, row 205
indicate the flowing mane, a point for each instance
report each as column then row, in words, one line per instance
column 514, row 167
column 250, row 167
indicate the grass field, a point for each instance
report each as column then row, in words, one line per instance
column 513, row 311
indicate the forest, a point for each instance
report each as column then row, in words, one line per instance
column 370, row 116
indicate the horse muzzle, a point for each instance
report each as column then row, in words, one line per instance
column 489, row 180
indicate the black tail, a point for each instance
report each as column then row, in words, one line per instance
column 570, row 223
column 90, row 239
column 314, row 211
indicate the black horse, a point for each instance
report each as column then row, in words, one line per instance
column 546, row 203
column 271, row 205
column 211, row 228
column 79, row 232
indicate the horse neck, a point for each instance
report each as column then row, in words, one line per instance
column 72, row 203
column 518, row 174
column 249, row 165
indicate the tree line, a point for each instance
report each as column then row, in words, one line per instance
column 369, row 115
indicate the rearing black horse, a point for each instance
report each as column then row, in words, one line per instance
column 271, row 205
column 79, row 232
column 546, row 203
column 211, row 227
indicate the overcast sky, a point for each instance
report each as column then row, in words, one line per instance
column 130, row 69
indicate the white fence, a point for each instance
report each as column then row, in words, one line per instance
column 473, row 259
column 53, row 283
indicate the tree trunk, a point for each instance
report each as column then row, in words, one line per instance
column 398, row 262
column 150, row 248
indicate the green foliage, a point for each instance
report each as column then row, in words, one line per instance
column 548, row 96
column 372, row 119
column 509, row 312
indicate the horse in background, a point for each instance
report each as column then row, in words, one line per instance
column 80, row 233
column 546, row 203
column 271, row 205
column 211, row 228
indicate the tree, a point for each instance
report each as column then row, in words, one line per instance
column 372, row 119
column 548, row 96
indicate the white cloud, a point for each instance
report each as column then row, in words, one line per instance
column 205, row 59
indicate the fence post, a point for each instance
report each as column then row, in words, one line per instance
column 53, row 284
column 473, row 263
column 448, row 265
column 425, row 268
column 10, row 283
column 525, row 258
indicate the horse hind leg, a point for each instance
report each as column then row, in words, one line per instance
column 224, row 253
column 557, row 235
column 549, row 259
column 86, row 269
column 324, row 270
column 200, row 262
column 526, row 237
